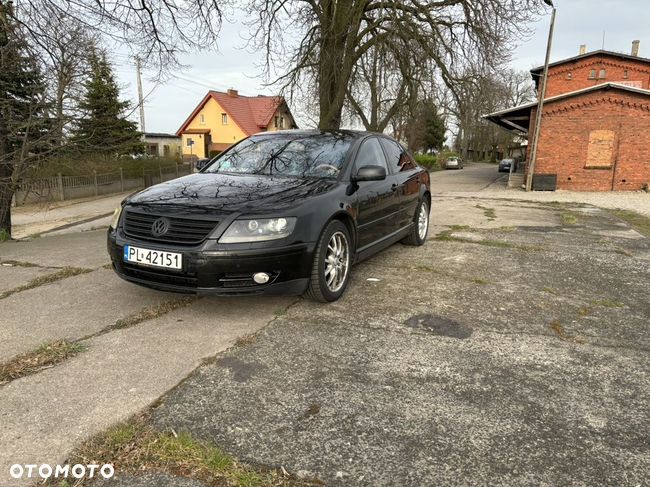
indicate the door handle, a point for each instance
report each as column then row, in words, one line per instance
column 394, row 186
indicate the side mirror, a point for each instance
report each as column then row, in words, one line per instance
column 370, row 173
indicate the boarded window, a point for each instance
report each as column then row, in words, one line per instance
column 601, row 148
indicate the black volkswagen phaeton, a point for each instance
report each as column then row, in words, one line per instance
column 278, row 213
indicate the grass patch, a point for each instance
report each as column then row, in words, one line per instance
column 508, row 229
column 479, row 280
column 569, row 218
column 608, row 303
column 584, row 311
column 47, row 279
column 4, row 235
column 43, row 357
column 280, row 312
column 551, row 291
column 135, row 447
column 637, row 221
column 245, row 340
column 459, row 227
column 446, row 236
column 151, row 312
column 558, row 329
column 489, row 213
column 621, row 251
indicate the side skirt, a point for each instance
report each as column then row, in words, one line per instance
column 379, row 245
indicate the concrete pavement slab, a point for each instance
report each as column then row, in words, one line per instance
column 356, row 406
column 45, row 415
column 12, row 276
column 87, row 249
column 71, row 308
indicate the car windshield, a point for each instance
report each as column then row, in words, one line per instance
column 306, row 156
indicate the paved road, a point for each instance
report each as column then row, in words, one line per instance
column 473, row 177
column 522, row 360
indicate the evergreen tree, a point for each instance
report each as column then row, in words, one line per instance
column 427, row 128
column 24, row 124
column 103, row 127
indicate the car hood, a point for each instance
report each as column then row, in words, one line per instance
column 226, row 193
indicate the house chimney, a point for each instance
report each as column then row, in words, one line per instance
column 233, row 93
column 583, row 49
column 635, row 48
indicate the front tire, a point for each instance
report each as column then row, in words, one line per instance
column 332, row 262
column 420, row 229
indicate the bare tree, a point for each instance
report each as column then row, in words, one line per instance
column 155, row 30
column 67, row 45
column 482, row 93
column 336, row 34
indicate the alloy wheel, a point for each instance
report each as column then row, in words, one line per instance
column 423, row 221
column 337, row 262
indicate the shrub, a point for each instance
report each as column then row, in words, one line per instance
column 426, row 160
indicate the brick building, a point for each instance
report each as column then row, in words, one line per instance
column 595, row 133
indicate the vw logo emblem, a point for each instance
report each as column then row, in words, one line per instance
column 160, row 227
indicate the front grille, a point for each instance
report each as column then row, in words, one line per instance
column 161, row 276
column 182, row 230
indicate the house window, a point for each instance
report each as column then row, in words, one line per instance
column 190, row 142
column 569, row 75
column 202, row 119
column 166, row 151
column 592, row 74
column 602, row 74
column 224, row 119
column 277, row 121
column 625, row 74
column 281, row 122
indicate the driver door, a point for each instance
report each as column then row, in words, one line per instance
column 377, row 201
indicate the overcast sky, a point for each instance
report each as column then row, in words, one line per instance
column 577, row 22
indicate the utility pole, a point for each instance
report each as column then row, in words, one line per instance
column 140, row 96
column 540, row 103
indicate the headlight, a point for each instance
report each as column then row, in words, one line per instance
column 116, row 217
column 258, row 230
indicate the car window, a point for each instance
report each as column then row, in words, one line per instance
column 398, row 158
column 370, row 154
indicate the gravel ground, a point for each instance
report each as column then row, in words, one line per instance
column 637, row 201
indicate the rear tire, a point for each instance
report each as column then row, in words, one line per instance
column 420, row 229
column 332, row 262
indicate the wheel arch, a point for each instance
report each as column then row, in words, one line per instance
column 348, row 221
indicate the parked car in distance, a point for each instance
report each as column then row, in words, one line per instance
column 201, row 163
column 505, row 164
column 454, row 163
column 278, row 213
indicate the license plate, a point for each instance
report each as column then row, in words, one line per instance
column 156, row 258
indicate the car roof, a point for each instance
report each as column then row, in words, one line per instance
column 354, row 134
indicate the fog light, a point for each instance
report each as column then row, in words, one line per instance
column 261, row 277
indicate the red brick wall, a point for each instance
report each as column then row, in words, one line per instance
column 559, row 81
column 564, row 143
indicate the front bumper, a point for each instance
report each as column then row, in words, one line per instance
column 209, row 269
